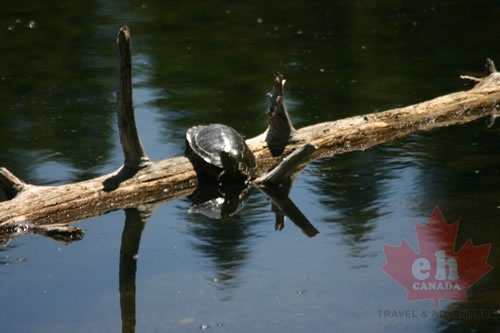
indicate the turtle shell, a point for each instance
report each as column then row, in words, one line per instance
column 208, row 141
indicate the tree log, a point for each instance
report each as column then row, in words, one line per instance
column 140, row 181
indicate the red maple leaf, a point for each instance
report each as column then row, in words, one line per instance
column 436, row 271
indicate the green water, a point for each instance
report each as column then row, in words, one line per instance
column 200, row 62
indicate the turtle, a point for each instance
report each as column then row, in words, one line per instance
column 220, row 151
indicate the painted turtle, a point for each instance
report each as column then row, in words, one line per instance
column 219, row 150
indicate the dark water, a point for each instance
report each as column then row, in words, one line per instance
column 199, row 63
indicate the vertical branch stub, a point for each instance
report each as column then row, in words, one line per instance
column 133, row 150
column 280, row 129
column 490, row 66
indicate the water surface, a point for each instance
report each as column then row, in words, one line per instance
column 198, row 63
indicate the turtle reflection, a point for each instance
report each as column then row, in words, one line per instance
column 219, row 202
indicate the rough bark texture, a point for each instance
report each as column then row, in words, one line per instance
column 133, row 150
column 28, row 207
column 364, row 131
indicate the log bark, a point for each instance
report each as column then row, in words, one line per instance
column 140, row 181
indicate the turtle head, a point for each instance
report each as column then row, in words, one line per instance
column 229, row 163
column 231, row 172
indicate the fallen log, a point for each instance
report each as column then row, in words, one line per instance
column 141, row 181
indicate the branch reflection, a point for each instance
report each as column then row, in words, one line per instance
column 283, row 206
column 218, row 202
column 135, row 220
